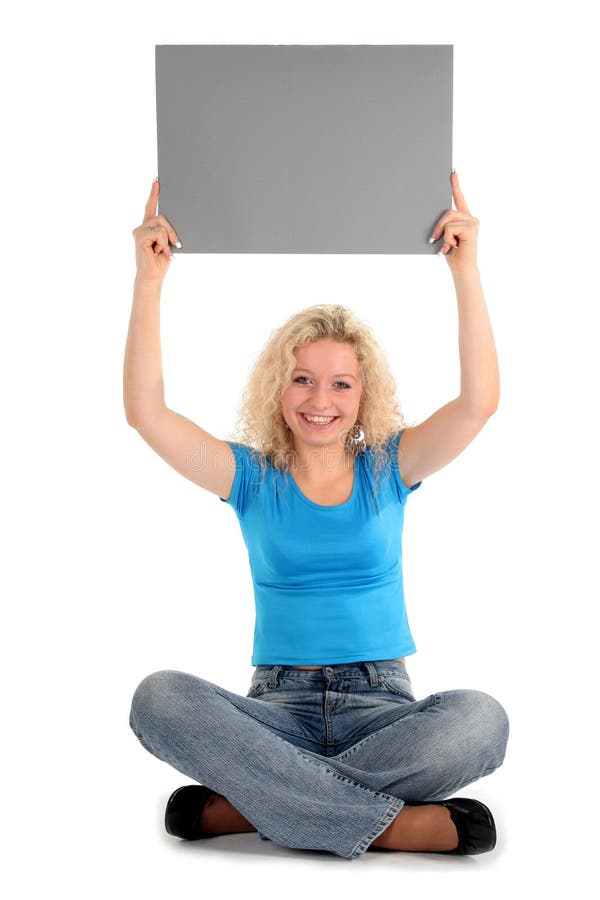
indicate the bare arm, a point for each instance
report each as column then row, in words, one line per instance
column 438, row 440
column 189, row 449
column 143, row 386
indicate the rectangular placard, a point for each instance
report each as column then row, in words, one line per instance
column 304, row 148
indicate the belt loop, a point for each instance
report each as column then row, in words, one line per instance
column 373, row 677
column 272, row 679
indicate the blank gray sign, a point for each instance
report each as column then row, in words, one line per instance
column 304, row 149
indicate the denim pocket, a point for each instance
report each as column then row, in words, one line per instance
column 398, row 684
column 256, row 688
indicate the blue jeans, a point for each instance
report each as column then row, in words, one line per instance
column 322, row 759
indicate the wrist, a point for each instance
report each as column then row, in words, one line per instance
column 469, row 271
column 147, row 285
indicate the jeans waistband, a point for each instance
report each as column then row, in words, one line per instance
column 373, row 668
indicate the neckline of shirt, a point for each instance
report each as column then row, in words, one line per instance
column 334, row 505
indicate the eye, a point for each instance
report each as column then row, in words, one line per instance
column 344, row 384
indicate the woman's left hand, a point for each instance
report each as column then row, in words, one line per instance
column 459, row 230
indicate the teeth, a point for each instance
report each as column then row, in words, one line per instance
column 321, row 420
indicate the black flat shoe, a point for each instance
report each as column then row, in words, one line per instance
column 184, row 811
column 474, row 824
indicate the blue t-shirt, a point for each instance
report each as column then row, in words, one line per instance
column 327, row 580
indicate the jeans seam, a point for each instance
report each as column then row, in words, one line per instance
column 406, row 693
column 247, row 712
column 342, row 756
column 388, row 817
column 396, row 804
column 346, row 778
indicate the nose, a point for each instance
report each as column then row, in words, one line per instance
column 320, row 399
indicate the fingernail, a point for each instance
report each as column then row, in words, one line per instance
column 178, row 245
column 155, row 180
column 453, row 171
column 431, row 239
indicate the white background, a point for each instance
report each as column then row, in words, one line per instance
column 115, row 566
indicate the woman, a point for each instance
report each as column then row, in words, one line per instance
column 330, row 749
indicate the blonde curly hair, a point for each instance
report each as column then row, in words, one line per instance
column 260, row 422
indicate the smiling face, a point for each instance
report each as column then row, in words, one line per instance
column 325, row 384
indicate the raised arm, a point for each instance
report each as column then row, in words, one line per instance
column 189, row 449
column 438, row 440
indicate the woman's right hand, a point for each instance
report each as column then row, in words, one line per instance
column 152, row 238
